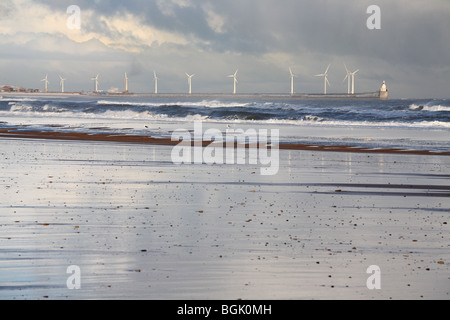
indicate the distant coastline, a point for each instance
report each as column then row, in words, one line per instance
column 304, row 96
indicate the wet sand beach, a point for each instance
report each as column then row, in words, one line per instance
column 146, row 139
column 140, row 227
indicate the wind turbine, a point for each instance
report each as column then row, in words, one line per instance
column 96, row 83
column 126, row 83
column 352, row 74
column 190, row 82
column 234, row 76
column 62, row 83
column 46, row 82
column 156, row 82
column 325, row 79
column 351, row 79
column 348, row 77
column 292, row 81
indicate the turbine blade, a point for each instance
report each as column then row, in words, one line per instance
column 327, row 68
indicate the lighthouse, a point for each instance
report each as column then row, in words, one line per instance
column 383, row 91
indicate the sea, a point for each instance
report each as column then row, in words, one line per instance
column 413, row 124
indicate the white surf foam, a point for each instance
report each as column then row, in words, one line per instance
column 56, row 112
column 432, row 108
column 199, row 104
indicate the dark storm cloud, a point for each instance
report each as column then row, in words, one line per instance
column 412, row 31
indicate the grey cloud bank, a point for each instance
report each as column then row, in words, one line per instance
column 213, row 38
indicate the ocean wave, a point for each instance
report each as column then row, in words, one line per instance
column 219, row 104
column 312, row 118
column 35, row 109
column 147, row 115
column 21, row 107
column 415, row 114
column 128, row 103
column 199, row 104
column 418, row 124
column 17, row 99
column 432, row 108
column 373, row 124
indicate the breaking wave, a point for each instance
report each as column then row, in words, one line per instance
column 415, row 114
column 433, row 108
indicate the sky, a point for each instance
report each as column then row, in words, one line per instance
column 214, row 38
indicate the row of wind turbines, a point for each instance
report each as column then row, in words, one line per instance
column 350, row 77
column 45, row 80
column 61, row 83
column 189, row 78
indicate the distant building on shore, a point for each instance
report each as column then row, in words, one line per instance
column 8, row 88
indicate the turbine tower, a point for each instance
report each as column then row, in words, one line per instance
column 46, row 82
column 348, row 77
column 156, row 82
column 190, row 82
column 292, row 81
column 126, row 83
column 62, row 83
column 353, row 80
column 96, row 83
column 234, row 76
column 325, row 79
